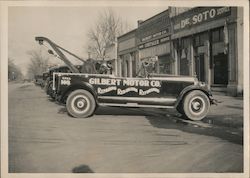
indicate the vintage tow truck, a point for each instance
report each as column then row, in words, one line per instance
column 84, row 92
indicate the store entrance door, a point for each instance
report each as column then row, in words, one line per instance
column 200, row 67
column 221, row 69
column 164, row 64
column 184, row 68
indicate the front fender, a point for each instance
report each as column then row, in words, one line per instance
column 190, row 88
column 84, row 85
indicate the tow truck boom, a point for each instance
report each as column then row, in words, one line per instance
column 58, row 49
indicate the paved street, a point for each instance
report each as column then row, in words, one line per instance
column 44, row 139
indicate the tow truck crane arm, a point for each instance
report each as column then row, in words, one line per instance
column 58, row 49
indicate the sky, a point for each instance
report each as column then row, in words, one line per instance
column 66, row 26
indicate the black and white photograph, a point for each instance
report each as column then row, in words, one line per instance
column 125, row 88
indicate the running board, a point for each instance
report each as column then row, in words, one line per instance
column 135, row 105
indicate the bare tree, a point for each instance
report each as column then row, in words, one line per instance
column 108, row 26
column 14, row 72
column 39, row 63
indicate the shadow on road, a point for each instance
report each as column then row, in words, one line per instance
column 232, row 120
column 25, row 86
column 172, row 120
column 167, row 122
column 82, row 169
column 51, row 99
column 62, row 111
column 104, row 110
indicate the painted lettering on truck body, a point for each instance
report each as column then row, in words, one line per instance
column 130, row 87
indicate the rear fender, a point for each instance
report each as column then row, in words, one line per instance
column 188, row 89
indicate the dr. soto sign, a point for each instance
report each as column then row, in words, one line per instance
column 198, row 16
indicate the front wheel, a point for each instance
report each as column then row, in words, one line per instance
column 196, row 105
column 80, row 103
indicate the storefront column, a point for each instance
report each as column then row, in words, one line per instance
column 130, row 66
column 232, row 64
column 139, row 64
column 116, row 57
column 207, row 63
column 173, row 53
column 119, row 66
column 239, row 50
column 116, row 67
column 175, row 62
column 125, row 68
column 157, row 67
column 191, row 58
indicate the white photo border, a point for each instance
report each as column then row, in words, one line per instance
column 4, row 5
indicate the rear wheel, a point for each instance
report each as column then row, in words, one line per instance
column 80, row 103
column 196, row 105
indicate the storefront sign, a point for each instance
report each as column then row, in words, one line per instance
column 204, row 15
column 150, row 59
column 127, row 44
column 151, row 43
column 155, row 35
column 154, row 43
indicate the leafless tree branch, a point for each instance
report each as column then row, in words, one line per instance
column 104, row 33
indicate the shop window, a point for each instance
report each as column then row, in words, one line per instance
column 184, row 43
column 218, row 35
column 165, row 65
column 199, row 40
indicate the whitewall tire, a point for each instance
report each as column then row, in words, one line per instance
column 196, row 105
column 80, row 104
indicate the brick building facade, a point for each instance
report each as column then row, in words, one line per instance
column 206, row 42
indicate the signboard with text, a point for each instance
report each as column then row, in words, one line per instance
column 198, row 16
column 154, row 43
column 120, row 86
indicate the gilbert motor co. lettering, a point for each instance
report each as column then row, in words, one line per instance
column 125, row 82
